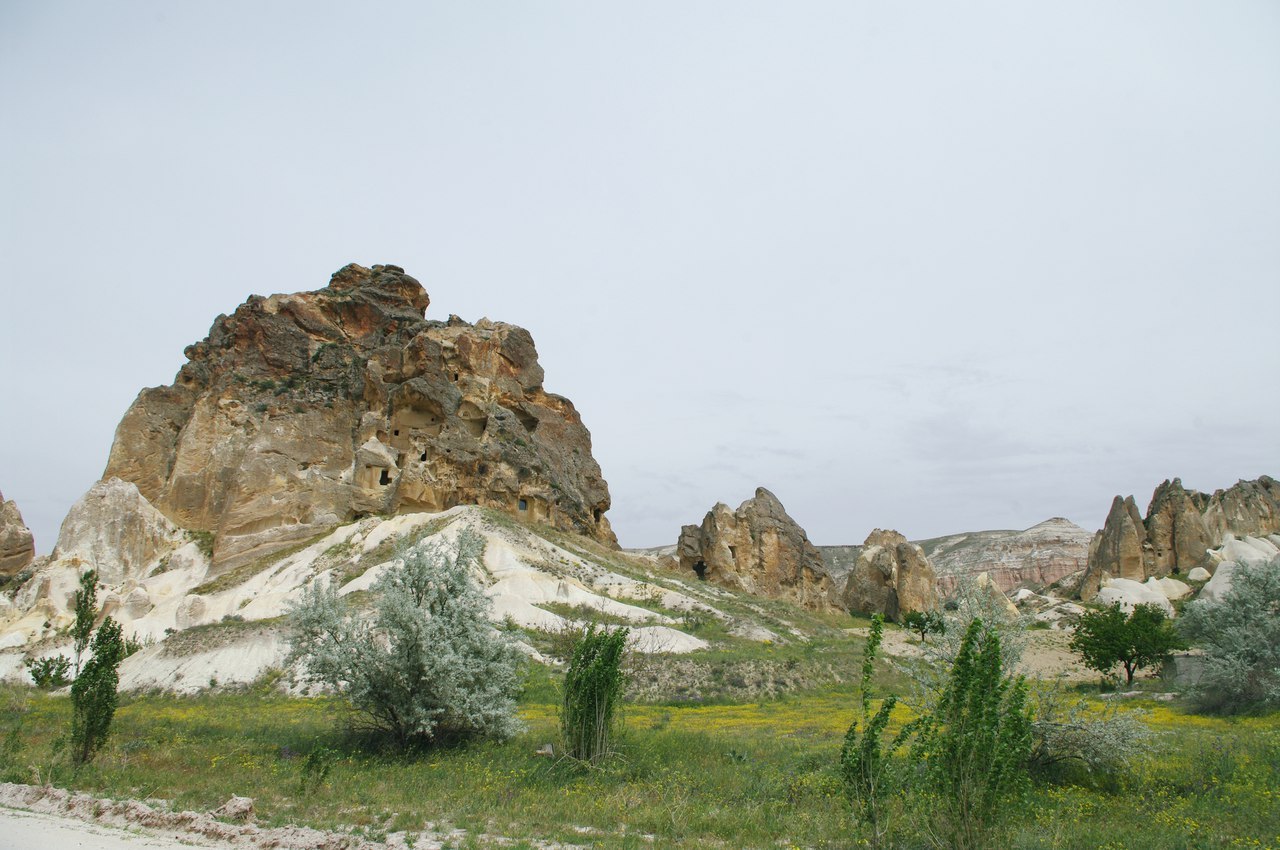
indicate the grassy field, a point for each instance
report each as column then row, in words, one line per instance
column 759, row 774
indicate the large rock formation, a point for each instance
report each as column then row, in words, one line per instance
column 112, row 529
column 758, row 548
column 17, row 546
column 1180, row 527
column 1035, row 557
column 299, row 412
column 892, row 577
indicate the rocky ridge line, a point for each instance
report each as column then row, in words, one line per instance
column 1180, row 528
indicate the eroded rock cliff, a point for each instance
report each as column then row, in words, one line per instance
column 758, row 548
column 1035, row 557
column 1180, row 527
column 299, row 412
column 892, row 577
column 17, row 546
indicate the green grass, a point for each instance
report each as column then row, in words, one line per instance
column 730, row 775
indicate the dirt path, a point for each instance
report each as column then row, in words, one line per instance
column 22, row 830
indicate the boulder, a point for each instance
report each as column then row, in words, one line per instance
column 300, row 412
column 1129, row 594
column 1199, row 574
column 759, row 549
column 1170, row 587
column 892, row 577
column 116, row 531
column 1220, row 585
column 17, row 546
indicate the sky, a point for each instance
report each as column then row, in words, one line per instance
column 923, row 265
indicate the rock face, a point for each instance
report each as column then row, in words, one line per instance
column 891, row 577
column 758, row 548
column 1180, row 527
column 1036, row 557
column 17, row 546
column 114, row 530
column 299, row 412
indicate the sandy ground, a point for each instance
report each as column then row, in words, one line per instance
column 1046, row 656
column 21, row 830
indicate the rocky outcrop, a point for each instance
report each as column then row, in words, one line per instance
column 17, row 546
column 299, row 412
column 1120, row 545
column 758, row 548
column 891, row 577
column 1035, row 557
column 114, row 530
column 1180, row 528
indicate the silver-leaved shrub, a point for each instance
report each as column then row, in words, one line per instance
column 425, row 665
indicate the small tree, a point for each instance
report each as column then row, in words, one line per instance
column 86, row 609
column 592, row 691
column 1241, row 639
column 975, row 746
column 93, row 694
column 1109, row 637
column 925, row 622
column 865, row 758
column 426, row 665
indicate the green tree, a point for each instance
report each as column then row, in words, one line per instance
column 86, row 609
column 426, row 665
column 593, row 688
column 866, row 758
column 1241, row 639
column 1141, row 639
column 975, row 745
column 925, row 622
column 93, row 694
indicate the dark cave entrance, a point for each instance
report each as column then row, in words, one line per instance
column 701, row 569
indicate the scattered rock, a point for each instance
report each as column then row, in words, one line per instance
column 759, row 549
column 237, row 809
column 1199, row 574
column 891, row 577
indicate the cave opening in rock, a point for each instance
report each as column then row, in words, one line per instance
column 385, row 477
column 733, row 553
column 701, row 569
column 524, row 504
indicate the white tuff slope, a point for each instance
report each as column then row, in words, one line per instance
column 161, row 602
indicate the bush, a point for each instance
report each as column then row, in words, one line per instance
column 426, row 665
column 49, row 673
column 1143, row 638
column 93, row 694
column 1241, row 639
column 865, row 758
column 592, row 691
column 975, row 746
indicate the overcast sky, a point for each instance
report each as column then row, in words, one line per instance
column 930, row 266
